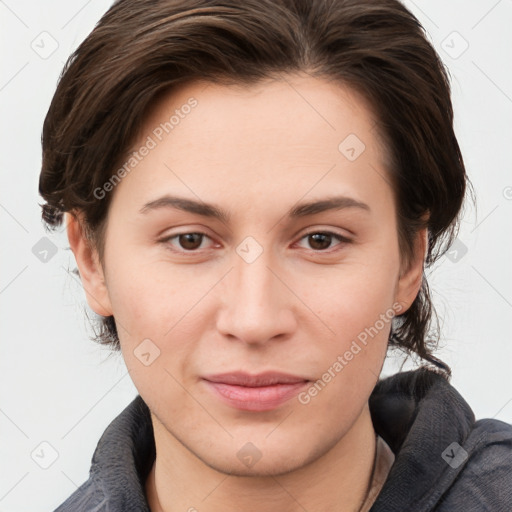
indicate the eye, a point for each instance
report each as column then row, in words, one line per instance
column 321, row 240
column 186, row 242
column 193, row 241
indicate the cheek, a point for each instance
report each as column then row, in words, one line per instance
column 347, row 367
column 151, row 315
column 358, row 306
column 148, row 299
column 161, row 318
column 354, row 296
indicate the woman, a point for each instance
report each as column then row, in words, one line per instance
column 252, row 193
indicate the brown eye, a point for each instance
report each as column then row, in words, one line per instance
column 190, row 241
column 323, row 240
column 320, row 241
column 185, row 242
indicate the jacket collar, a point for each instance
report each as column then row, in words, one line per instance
column 420, row 415
column 123, row 458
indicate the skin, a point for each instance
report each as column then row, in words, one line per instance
column 255, row 152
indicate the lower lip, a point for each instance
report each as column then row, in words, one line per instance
column 264, row 398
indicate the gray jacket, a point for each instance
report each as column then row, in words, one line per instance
column 444, row 460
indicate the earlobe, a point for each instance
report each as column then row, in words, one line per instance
column 410, row 280
column 89, row 266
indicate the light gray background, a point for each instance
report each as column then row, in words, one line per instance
column 60, row 388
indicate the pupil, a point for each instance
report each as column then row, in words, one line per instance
column 319, row 237
column 190, row 240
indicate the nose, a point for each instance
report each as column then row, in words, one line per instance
column 257, row 307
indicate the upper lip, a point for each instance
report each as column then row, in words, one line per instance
column 260, row 379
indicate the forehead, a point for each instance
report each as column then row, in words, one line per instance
column 259, row 140
column 286, row 109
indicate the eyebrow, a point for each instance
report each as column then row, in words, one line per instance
column 210, row 210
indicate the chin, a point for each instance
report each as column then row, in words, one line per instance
column 272, row 467
column 274, row 459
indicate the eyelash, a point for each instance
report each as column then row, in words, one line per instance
column 342, row 241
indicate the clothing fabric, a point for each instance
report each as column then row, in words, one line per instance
column 444, row 460
column 384, row 459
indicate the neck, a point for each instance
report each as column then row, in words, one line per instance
column 338, row 480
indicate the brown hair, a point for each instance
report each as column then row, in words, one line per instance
column 141, row 48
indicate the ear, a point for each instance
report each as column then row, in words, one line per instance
column 89, row 266
column 411, row 277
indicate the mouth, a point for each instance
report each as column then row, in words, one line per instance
column 261, row 392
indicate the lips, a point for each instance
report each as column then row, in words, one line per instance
column 261, row 392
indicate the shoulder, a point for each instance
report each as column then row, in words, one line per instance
column 485, row 479
column 89, row 497
column 490, row 443
column 447, row 460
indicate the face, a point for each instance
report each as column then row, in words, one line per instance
column 252, row 266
